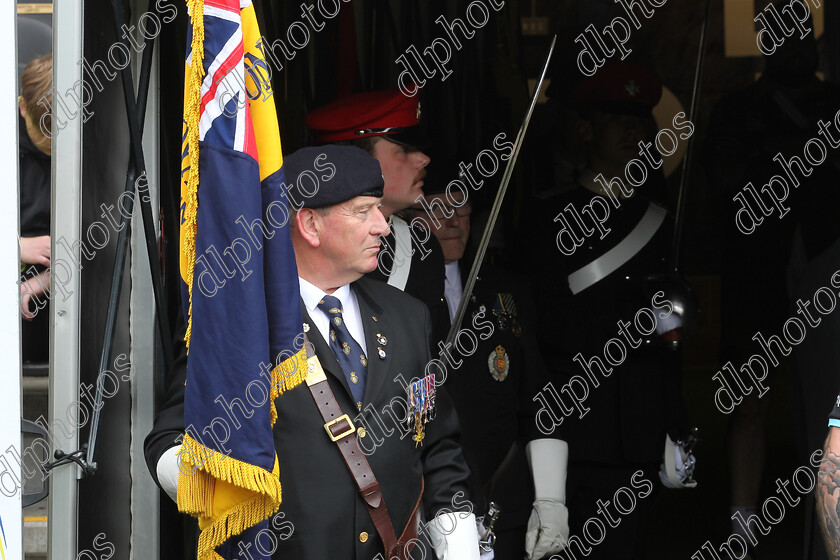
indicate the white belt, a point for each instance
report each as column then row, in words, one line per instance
column 402, row 256
column 616, row 257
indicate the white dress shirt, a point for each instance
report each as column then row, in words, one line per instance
column 453, row 289
column 311, row 295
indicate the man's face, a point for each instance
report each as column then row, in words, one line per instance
column 403, row 170
column 350, row 236
column 454, row 232
column 614, row 139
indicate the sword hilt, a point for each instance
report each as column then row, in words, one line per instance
column 493, row 512
column 487, row 539
column 692, row 440
column 688, row 446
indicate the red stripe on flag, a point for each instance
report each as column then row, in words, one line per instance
column 227, row 5
column 220, row 74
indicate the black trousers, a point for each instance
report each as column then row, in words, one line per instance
column 609, row 509
column 510, row 544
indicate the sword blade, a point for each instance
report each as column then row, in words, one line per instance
column 675, row 264
column 497, row 205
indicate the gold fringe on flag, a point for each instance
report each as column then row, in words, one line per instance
column 203, row 470
column 206, row 476
column 192, row 110
column 286, row 376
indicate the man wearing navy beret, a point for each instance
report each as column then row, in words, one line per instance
column 386, row 124
column 359, row 335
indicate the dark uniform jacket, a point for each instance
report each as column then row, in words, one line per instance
column 633, row 407
column 320, row 497
column 35, row 202
column 493, row 391
column 425, row 279
column 34, row 186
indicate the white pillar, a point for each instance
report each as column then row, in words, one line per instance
column 68, row 49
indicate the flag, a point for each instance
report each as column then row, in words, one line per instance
column 239, row 281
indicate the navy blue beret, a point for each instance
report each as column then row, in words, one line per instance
column 321, row 176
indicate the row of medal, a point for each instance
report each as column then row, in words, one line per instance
column 421, row 393
column 421, row 406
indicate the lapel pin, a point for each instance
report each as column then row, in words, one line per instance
column 375, row 320
column 382, row 354
column 306, row 327
column 381, row 339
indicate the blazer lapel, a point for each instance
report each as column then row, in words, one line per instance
column 377, row 331
column 324, row 352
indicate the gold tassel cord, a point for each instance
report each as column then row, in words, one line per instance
column 192, row 109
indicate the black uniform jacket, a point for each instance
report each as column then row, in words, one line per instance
column 34, row 186
column 494, row 401
column 320, row 497
column 35, row 199
column 425, row 278
column 633, row 407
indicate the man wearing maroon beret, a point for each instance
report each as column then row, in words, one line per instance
column 385, row 123
column 602, row 240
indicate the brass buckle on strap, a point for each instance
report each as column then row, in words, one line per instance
column 350, row 427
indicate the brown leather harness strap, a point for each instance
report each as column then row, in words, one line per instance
column 341, row 430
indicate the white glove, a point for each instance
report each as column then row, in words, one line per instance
column 677, row 466
column 454, row 536
column 548, row 527
column 168, row 467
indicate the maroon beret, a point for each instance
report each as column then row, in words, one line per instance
column 622, row 88
column 374, row 113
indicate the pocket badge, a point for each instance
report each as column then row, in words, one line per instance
column 499, row 364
